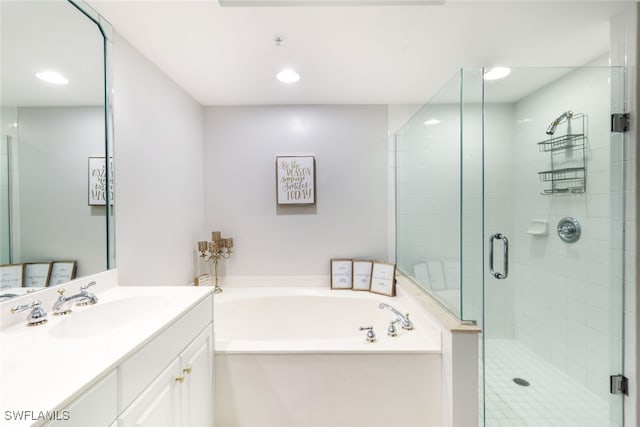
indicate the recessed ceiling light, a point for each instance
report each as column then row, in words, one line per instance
column 497, row 73
column 52, row 77
column 288, row 76
column 431, row 122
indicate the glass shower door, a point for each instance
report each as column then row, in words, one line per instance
column 552, row 205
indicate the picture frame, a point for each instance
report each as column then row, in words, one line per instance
column 383, row 279
column 62, row 272
column 11, row 275
column 97, row 188
column 341, row 274
column 36, row 274
column 295, row 180
column 362, row 275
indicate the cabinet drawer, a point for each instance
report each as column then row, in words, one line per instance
column 136, row 373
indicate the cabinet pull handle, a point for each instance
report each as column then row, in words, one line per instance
column 180, row 379
column 187, row 370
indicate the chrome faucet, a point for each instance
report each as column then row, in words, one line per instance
column 62, row 304
column 402, row 318
column 37, row 316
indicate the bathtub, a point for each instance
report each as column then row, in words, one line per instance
column 294, row 356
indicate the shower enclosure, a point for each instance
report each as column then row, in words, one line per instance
column 510, row 212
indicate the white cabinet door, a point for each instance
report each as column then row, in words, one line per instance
column 96, row 407
column 197, row 389
column 158, row 405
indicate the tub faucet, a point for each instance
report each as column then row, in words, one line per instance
column 402, row 318
column 61, row 306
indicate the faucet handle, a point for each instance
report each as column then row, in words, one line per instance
column 371, row 335
column 90, row 298
column 37, row 316
column 61, row 292
column 87, row 285
column 407, row 323
column 391, row 330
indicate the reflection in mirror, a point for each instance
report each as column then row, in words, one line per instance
column 51, row 124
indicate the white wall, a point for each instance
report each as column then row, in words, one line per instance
column 54, row 146
column 159, row 183
column 350, row 216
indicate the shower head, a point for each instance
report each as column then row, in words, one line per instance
column 554, row 124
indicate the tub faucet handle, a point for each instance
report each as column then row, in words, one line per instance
column 371, row 335
column 391, row 330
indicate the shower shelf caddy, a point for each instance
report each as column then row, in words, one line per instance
column 568, row 153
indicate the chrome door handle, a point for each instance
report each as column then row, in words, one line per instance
column 505, row 241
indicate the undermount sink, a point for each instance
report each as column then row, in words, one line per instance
column 104, row 317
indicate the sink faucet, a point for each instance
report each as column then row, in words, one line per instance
column 37, row 316
column 62, row 305
column 402, row 318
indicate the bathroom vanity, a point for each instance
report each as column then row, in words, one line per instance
column 141, row 356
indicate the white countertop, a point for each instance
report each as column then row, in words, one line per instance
column 40, row 370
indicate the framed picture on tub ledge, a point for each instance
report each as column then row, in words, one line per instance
column 341, row 274
column 362, row 275
column 62, row 272
column 383, row 279
column 37, row 274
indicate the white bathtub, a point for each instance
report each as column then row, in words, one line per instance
column 294, row 356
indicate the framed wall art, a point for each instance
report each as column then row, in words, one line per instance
column 383, row 279
column 36, row 274
column 362, row 275
column 98, row 182
column 341, row 274
column 296, row 180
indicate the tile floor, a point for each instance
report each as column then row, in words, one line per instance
column 551, row 399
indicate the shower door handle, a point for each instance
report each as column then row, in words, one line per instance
column 505, row 241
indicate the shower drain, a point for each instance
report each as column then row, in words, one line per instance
column 520, row 381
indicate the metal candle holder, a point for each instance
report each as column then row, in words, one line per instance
column 218, row 248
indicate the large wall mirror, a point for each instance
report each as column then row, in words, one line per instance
column 56, row 187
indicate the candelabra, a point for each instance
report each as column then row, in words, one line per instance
column 215, row 250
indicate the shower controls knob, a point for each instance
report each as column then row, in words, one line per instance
column 569, row 229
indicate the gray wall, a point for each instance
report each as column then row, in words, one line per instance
column 350, row 216
column 159, row 183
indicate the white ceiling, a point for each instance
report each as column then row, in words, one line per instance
column 355, row 55
column 345, row 54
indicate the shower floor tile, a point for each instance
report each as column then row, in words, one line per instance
column 552, row 398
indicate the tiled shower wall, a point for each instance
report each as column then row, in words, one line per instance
column 563, row 293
